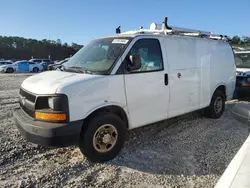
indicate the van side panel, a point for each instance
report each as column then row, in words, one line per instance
column 223, row 68
column 204, row 56
column 184, row 72
column 204, row 64
column 217, row 64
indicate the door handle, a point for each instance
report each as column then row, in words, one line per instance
column 166, row 79
column 179, row 75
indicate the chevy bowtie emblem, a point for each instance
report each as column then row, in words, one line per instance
column 22, row 99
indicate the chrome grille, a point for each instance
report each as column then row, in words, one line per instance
column 27, row 95
column 27, row 102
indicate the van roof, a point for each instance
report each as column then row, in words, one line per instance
column 133, row 34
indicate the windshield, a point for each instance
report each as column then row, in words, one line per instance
column 99, row 55
column 242, row 60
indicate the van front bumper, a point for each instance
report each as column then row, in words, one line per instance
column 242, row 91
column 47, row 133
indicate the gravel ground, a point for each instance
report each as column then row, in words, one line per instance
column 188, row 152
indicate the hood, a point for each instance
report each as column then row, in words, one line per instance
column 48, row 82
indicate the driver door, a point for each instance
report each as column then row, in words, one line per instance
column 147, row 89
column 23, row 67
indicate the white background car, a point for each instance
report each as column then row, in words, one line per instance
column 21, row 66
column 5, row 63
column 41, row 61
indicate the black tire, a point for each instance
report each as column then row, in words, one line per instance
column 35, row 69
column 213, row 111
column 9, row 70
column 86, row 143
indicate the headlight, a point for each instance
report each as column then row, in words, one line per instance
column 57, row 103
column 50, row 103
column 52, row 108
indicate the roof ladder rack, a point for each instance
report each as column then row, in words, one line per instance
column 166, row 29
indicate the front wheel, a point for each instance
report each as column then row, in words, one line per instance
column 217, row 105
column 35, row 69
column 103, row 137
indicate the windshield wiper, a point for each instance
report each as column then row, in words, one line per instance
column 74, row 69
column 62, row 68
column 77, row 69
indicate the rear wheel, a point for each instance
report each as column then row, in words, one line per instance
column 35, row 69
column 10, row 70
column 103, row 137
column 217, row 105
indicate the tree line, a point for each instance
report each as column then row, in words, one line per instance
column 240, row 41
column 19, row 48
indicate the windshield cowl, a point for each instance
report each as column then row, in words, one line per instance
column 76, row 69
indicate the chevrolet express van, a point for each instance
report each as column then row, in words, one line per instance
column 126, row 81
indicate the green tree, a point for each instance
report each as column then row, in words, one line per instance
column 65, row 44
column 76, row 46
column 246, row 39
column 19, row 48
column 236, row 40
column 58, row 41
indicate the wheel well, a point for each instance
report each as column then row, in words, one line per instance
column 222, row 88
column 10, row 68
column 113, row 109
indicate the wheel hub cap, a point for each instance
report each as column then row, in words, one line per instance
column 218, row 104
column 105, row 138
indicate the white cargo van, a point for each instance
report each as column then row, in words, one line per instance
column 126, row 81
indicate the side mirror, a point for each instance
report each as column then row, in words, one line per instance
column 135, row 62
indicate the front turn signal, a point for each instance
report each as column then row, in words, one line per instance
column 50, row 116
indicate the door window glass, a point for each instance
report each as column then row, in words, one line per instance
column 151, row 56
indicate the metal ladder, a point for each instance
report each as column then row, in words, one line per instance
column 165, row 29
